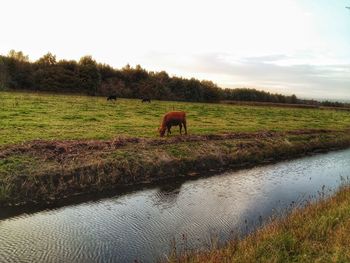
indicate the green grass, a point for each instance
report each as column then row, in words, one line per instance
column 29, row 116
column 14, row 167
column 182, row 150
column 14, row 164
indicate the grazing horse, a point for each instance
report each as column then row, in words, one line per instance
column 173, row 118
column 146, row 100
column 112, row 97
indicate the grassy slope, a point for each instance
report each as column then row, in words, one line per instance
column 317, row 233
column 29, row 116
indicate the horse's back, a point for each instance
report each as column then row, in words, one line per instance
column 175, row 117
column 112, row 97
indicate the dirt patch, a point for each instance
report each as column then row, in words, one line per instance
column 51, row 149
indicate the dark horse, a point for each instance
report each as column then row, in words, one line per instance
column 112, row 97
column 146, row 100
column 173, row 118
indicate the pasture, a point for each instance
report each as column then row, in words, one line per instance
column 30, row 116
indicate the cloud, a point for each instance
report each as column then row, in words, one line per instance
column 269, row 72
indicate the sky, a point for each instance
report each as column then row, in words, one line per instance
column 297, row 47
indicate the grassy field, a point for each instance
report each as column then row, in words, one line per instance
column 29, row 116
column 317, row 233
column 128, row 149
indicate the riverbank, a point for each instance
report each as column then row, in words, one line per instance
column 46, row 171
column 318, row 232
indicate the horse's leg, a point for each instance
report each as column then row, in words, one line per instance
column 168, row 130
column 180, row 125
column 184, row 123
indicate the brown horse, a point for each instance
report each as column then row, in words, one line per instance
column 173, row 118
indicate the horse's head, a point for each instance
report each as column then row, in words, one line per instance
column 161, row 131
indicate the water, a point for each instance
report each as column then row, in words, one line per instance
column 144, row 224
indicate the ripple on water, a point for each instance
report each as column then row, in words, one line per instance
column 142, row 224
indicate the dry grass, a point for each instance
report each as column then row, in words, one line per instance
column 318, row 232
column 44, row 171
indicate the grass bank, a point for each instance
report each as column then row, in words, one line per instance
column 318, row 232
column 45, row 171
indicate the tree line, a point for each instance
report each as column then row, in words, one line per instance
column 89, row 77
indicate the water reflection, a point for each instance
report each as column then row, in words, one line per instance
column 167, row 194
column 142, row 224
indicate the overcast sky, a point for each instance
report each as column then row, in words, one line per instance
column 286, row 46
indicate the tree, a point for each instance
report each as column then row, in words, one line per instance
column 87, row 76
column 4, row 75
column 19, row 56
column 90, row 77
column 47, row 60
column 20, row 70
